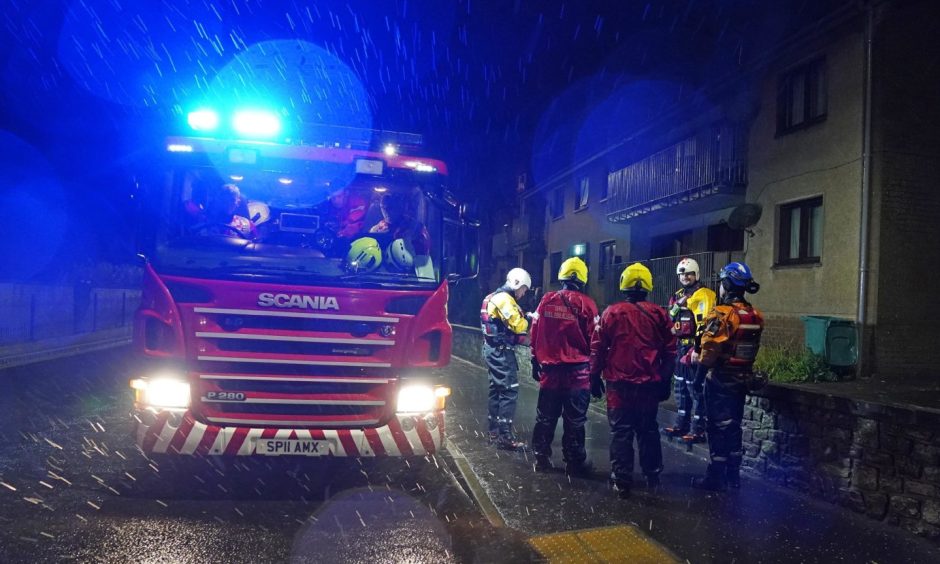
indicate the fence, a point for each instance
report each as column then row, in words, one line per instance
column 35, row 313
column 665, row 282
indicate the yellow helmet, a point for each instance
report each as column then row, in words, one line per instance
column 636, row 277
column 573, row 269
column 364, row 255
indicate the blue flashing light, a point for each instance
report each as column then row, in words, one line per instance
column 179, row 148
column 256, row 123
column 203, row 120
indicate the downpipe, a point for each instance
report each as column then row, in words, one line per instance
column 865, row 211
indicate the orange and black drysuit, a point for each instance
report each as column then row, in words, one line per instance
column 635, row 351
column 504, row 326
column 561, row 354
column 729, row 346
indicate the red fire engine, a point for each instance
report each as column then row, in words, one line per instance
column 294, row 295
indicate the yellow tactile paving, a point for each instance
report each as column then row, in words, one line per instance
column 621, row 543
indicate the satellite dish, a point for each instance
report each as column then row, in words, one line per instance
column 744, row 216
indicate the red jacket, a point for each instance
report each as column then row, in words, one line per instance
column 634, row 343
column 562, row 332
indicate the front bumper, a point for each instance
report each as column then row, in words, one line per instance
column 167, row 432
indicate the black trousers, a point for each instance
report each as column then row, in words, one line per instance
column 690, row 402
column 504, row 389
column 571, row 405
column 634, row 417
column 724, row 408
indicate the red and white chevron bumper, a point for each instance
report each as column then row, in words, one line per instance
column 174, row 433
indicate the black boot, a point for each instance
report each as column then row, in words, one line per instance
column 543, row 464
column 580, row 469
column 504, row 443
column 733, row 476
column 714, row 480
column 652, row 482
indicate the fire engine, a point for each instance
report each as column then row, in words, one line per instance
column 294, row 298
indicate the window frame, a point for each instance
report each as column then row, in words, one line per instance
column 558, row 201
column 815, row 86
column 784, row 220
column 582, row 193
column 554, row 268
column 603, row 265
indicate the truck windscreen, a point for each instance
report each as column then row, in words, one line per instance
column 299, row 221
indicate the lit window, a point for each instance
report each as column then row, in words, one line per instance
column 608, row 252
column 581, row 197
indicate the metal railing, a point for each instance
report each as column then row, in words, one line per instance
column 708, row 162
column 665, row 282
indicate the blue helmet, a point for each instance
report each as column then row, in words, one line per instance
column 736, row 274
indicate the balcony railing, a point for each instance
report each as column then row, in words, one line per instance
column 665, row 281
column 710, row 162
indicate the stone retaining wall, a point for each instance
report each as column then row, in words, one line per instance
column 880, row 460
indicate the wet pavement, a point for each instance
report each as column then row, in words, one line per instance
column 759, row 523
column 73, row 487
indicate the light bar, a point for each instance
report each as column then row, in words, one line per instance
column 179, row 148
column 256, row 123
column 203, row 120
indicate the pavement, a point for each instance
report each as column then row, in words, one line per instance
column 759, row 523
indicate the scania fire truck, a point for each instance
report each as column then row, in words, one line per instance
column 295, row 292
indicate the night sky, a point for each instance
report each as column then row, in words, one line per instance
column 496, row 87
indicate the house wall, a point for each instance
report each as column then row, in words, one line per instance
column 822, row 159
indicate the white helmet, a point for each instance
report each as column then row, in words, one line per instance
column 400, row 255
column 517, row 278
column 687, row 265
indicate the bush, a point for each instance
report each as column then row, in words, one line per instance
column 790, row 363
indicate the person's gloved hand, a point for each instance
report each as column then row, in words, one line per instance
column 532, row 315
column 536, row 370
column 597, row 386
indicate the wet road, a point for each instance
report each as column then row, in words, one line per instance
column 73, row 487
column 759, row 523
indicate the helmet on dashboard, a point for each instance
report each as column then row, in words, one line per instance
column 364, row 255
column 400, row 255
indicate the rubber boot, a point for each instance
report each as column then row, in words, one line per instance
column 714, row 480
column 674, row 432
column 733, row 476
column 543, row 464
column 509, row 444
column 580, row 469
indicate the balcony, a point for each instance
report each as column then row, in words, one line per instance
column 709, row 163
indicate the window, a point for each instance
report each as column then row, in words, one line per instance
column 605, row 189
column 581, row 196
column 802, row 97
column 558, row 203
column 799, row 238
column 607, row 258
column 554, row 265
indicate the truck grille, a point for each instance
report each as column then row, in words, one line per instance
column 291, row 368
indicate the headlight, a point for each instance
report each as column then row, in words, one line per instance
column 417, row 398
column 162, row 392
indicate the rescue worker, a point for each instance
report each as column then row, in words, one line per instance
column 634, row 351
column 729, row 345
column 687, row 308
column 561, row 333
column 504, row 326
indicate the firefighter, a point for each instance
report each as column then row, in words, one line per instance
column 634, row 351
column 729, row 345
column 504, row 326
column 561, row 352
column 687, row 308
